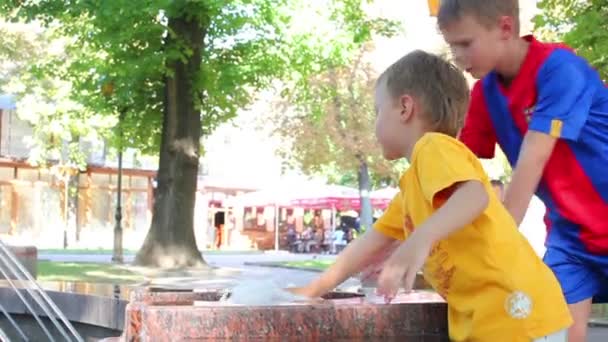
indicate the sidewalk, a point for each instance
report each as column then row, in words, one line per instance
column 234, row 267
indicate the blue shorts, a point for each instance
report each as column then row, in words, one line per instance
column 580, row 274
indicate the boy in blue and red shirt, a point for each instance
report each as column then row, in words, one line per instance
column 547, row 109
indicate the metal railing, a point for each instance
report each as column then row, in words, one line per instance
column 14, row 272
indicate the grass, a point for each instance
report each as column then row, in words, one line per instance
column 77, row 251
column 309, row 264
column 86, row 272
column 119, row 274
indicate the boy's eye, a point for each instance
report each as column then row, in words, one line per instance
column 466, row 43
column 462, row 45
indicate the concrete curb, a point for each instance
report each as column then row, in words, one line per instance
column 98, row 310
column 598, row 322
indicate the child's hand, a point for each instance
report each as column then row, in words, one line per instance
column 369, row 275
column 302, row 291
column 403, row 265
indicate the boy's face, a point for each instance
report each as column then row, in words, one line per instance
column 476, row 48
column 390, row 115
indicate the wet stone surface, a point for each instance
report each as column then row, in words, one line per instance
column 161, row 315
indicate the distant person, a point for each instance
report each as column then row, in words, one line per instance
column 219, row 220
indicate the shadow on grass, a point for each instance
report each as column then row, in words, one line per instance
column 78, row 251
column 86, row 272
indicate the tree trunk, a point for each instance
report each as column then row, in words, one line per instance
column 365, row 215
column 170, row 242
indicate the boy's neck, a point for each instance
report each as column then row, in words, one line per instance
column 415, row 137
column 513, row 59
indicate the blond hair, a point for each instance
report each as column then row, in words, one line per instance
column 437, row 84
column 486, row 12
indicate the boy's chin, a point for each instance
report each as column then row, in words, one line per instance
column 477, row 74
column 391, row 156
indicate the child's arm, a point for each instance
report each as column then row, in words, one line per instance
column 535, row 152
column 468, row 200
column 565, row 95
column 350, row 261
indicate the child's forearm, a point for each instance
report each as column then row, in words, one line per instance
column 467, row 202
column 349, row 262
column 519, row 193
column 535, row 152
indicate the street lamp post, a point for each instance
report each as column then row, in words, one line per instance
column 66, row 208
column 63, row 172
column 117, row 252
column 107, row 89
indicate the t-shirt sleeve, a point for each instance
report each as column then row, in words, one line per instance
column 478, row 132
column 565, row 95
column 391, row 223
column 441, row 163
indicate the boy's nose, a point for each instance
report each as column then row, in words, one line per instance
column 460, row 62
column 459, row 57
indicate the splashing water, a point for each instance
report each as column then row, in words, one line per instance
column 260, row 292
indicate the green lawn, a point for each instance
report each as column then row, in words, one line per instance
column 314, row 264
column 86, row 272
column 81, row 251
column 119, row 274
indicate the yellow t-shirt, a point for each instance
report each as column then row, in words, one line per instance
column 496, row 287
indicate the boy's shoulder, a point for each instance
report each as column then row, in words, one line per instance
column 436, row 139
column 543, row 59
column 433, row 144
column 538, row 54
column 543, row 49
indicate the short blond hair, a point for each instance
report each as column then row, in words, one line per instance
column 437, row 84
column 486, row 12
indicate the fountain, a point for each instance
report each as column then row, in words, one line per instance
column 162, row 314
column 35, row 299
column 178, row 311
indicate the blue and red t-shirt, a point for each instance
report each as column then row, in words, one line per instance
column 558, row 93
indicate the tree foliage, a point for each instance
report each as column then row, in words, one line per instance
column 331, row 129
column 43, row 99
column 248, row 43
column 176, row 69
column 331, row 132
column 583, row 25
column 121, row 44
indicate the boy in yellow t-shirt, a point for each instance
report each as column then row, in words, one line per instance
column 454, row 226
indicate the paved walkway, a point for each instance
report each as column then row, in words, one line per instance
column 234, row 265
column 215, row 258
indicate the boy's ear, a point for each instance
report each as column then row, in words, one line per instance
column 407, row 107
column 507, row 27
